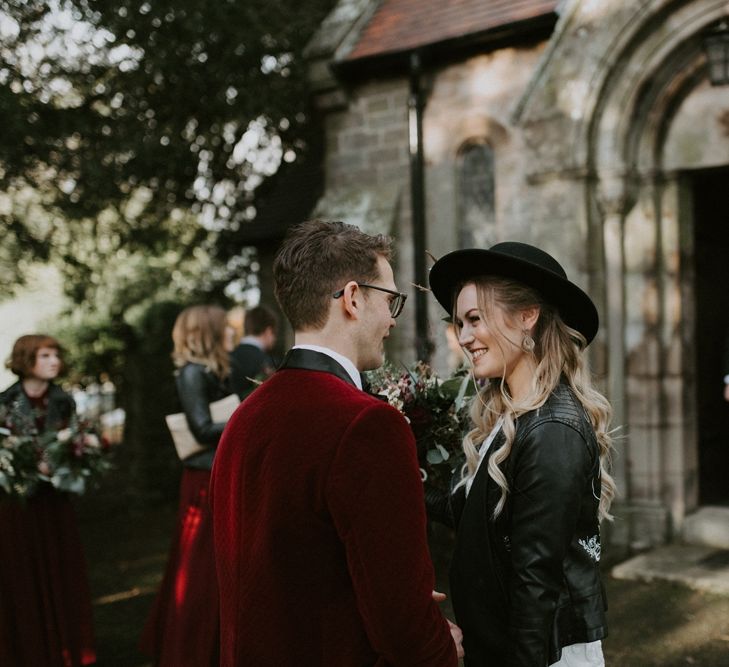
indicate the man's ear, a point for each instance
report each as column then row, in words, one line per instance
column 352, row 300
column 270, row 336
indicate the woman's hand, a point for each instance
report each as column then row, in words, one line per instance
column 457, row 635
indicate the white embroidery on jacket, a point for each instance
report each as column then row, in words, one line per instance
column 592, row 547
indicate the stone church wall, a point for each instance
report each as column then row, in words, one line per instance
column 595, row 136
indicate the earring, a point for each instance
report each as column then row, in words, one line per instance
column 527, row 343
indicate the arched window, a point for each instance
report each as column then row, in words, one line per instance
column 476, row 195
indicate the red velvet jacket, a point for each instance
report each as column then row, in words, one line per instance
column 320, row 531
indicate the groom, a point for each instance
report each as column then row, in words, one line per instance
column 320, row 533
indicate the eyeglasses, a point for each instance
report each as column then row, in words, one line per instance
column 396, row 303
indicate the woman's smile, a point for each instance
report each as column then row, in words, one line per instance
column 494, row 346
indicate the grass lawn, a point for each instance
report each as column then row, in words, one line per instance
column 651, row 625
column 665, row 625
column 126, row 554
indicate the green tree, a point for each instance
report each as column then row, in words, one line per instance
column 137, row 138
column 149, row 110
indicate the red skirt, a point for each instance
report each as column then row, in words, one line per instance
column 183, row 627
column 45, row 602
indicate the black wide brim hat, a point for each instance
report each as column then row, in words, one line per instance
column 521, row 262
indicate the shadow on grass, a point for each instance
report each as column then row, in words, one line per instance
column 651, row 624
column 126, row 552
column 660, row 624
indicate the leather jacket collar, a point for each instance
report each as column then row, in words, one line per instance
column 60, row 405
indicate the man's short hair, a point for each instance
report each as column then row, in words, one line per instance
column 258, row 319
column 316, row 259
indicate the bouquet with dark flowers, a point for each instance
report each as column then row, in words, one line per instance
column 18, row 464
column 435, row 409
column 67, row 459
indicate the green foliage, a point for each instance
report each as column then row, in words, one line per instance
column 94, row 345
column 128, row 291
column 135, row 133
column 435, row 410
column 138, row 136
column 18, row 465
column 68, row 460
column 127, row 119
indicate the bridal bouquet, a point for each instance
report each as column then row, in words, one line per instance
column 435, row 409
column 67, row 459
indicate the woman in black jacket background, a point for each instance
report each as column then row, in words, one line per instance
column 183, row 626
column 525, row 580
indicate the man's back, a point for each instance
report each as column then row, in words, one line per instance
column 247, row 362
column 320, row 532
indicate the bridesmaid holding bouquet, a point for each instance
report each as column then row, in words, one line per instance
column 45, row 602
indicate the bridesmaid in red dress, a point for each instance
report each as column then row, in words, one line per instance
column 45, row 603
column 183, row 627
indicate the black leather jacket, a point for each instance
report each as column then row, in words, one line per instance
column 527, row 583
column 61, row 405
column 197, row 387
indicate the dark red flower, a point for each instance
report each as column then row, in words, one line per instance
column 420, row 419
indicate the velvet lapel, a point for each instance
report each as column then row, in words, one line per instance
column 309, row 360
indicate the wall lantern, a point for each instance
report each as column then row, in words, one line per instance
column 716, row 46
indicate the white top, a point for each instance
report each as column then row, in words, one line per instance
column 581, row 655
column 339, row 358
column 482, row 452
column 252, row 340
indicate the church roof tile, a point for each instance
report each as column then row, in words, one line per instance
column 402, row 25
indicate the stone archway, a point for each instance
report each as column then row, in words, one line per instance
column 649, row 262
column 599, row 117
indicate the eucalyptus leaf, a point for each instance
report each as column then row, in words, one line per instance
column 434, row 456
column 467, row 389
column 451, row 387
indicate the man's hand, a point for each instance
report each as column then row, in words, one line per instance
column 455, row 630
column 726, row 392
column 439, row 597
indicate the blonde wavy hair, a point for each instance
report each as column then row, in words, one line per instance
column 199, row 338
column 558, row 352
